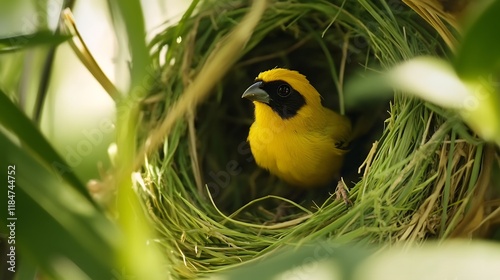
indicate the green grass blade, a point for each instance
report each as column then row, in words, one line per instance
column 133, row 20
column 20, row 42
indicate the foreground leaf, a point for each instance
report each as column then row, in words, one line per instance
column 323, row 261
column 55, row 226
column 435, row 80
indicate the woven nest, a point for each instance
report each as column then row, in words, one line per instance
column 213, row 208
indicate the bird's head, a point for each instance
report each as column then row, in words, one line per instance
column 284, row 91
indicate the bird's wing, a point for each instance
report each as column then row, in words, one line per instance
column 339, row 130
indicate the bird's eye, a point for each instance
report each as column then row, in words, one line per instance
column 284, row 90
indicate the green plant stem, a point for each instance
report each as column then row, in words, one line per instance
column 47, row 71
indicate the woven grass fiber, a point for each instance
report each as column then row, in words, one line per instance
column 213, row 208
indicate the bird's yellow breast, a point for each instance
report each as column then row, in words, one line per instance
column 300, row 150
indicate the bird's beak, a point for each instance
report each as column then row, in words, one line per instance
column 255, row 93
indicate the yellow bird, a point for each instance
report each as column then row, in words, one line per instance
column 294, row 136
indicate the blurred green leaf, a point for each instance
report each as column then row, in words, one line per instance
column 74, row 240
column 139, row 259
column 455, row 259
column 478, row 53
column 434, row 80
column 325, row 261
column 431, row 79
column 27, row 270
column 320, row 260
column 19, row 42
column 365, row 89
column 14, row 120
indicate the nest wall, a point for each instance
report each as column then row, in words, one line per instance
column 213, row 208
